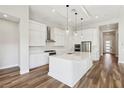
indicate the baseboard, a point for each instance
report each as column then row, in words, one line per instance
column 24, row 72
column 10, row 66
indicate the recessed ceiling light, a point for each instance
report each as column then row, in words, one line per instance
column 53, row 10
column 5, row 15
column 96, row 16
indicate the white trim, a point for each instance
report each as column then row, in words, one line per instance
column 10, row 66
column 24, row 72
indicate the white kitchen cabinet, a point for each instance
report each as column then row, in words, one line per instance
column 77, row 38
column 35, row 25
column 35, row 38
column 95, row 54
column 59, row 37
column 37, row 34
column 38, row 59
column 88, row 35
column 69, row 69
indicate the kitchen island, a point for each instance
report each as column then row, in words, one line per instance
column 69, row 68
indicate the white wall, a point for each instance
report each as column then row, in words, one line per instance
column 9, row 44
column 21, row 12
column 117, row 44
column 121, row 36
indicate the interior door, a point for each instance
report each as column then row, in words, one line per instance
column 108, row 46
column 109, row 42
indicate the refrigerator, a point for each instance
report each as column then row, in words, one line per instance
column 86, row 46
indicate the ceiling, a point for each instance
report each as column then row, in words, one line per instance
column 8, row 17
column 56, row 15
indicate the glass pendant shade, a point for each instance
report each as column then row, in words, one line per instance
column 67, row 31
column 82, row 28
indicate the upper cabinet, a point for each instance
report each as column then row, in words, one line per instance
column 88, row 35
column 59, row 37
column 37, row 34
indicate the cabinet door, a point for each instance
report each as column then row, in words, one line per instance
column 59, row 37
column 38, row 59
column 43, row 35
column 59, row 40
column 37, row 36
column 35, row 25
column 87, row 35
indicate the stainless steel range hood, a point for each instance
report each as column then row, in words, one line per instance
column 49, row 38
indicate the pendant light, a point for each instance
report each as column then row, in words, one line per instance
column 82, row 28
column 67, row 29
column 75, row 24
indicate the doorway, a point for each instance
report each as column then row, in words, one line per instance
column 109, row 39
column 109, row 42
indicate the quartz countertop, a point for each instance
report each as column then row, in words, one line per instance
column 76, row 56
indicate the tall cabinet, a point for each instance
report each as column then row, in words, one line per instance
column 59, row 37
column 37, row 34
column 37, row 38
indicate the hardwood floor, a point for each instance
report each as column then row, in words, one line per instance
column 106, row 73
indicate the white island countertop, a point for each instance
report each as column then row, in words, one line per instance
column 69, row 68
column 75, row 56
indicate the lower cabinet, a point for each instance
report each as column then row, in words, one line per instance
column 95, row 53
column 38, row 59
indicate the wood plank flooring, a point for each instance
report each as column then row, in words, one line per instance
column 106, row 73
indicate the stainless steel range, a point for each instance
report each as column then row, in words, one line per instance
column 51, row 52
